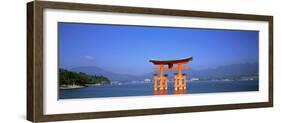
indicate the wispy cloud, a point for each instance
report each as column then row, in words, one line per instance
column 90, row 58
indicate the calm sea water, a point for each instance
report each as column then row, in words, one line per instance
column 142, row 89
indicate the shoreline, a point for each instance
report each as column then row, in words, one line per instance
column 71, row 86
column 64, row 87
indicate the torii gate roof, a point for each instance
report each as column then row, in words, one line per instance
column 169, row 62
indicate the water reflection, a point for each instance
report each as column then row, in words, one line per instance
column 160, row 92
column 180, row 91
column 165, row 92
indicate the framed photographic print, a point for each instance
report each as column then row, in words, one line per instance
column 89, row 61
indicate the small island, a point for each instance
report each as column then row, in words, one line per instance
column 71, row 80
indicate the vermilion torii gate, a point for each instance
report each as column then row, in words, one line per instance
column 161, row 82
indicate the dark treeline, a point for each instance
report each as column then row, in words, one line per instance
column 68, row 78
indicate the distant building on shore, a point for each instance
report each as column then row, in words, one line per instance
column 194, row 79
column 147, row 80
column 249, row 78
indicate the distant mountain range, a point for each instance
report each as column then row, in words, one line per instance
column 92, row 70
column 228, row 71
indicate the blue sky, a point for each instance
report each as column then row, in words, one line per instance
column 127, row 49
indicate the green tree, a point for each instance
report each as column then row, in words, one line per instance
column 68, row 78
